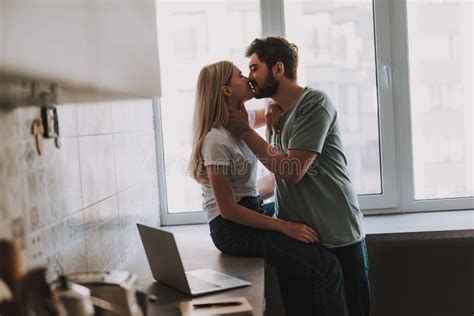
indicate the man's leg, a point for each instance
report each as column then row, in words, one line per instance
column 298, row 260
column 355, row 266
column 300, row 295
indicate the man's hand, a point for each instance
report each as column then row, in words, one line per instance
column 238, row 122
column 300, row 232
column 273, row 117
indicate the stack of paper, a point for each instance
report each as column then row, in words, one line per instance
column 212, row 306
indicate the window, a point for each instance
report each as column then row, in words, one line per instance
column 441, row 97
column 400, row 79
column 434, row 61
column 338, row 57
column 192, row 34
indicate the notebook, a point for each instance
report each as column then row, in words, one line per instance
column 201, row 307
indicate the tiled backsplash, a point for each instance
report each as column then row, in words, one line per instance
column 76, row 207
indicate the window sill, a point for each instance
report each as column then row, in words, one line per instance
column 426, row 225
column 409, row 226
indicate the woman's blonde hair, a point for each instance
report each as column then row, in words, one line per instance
column 210, row 110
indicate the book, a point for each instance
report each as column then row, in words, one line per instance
column 216, row 306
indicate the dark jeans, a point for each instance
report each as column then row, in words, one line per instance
column 355, row 268
column 291, row 258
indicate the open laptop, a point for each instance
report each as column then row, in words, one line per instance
column 167, row 267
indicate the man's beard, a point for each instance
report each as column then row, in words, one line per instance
column 269, row 88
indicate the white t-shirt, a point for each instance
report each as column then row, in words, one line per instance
column 221, row 148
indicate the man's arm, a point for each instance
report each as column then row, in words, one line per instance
column 290, row 167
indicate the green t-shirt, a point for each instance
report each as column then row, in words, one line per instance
column 324, row 198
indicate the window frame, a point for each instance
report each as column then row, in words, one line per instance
column 167, row 218
column 401, row 80
column 387, row 201
column 393, row 95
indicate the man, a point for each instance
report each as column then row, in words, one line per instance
column 306, row 157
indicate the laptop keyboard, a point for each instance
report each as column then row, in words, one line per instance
column 199, row 285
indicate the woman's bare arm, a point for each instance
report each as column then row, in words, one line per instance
column 220, row 183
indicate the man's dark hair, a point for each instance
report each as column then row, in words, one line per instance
column 271, row 50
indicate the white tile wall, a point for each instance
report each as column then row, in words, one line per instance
column 94, row 118
column 75, row 208
column 12, row 203
column 9, row 132
column 102, row 231
column 127, row 159
column 97, row 168
column 68, row 122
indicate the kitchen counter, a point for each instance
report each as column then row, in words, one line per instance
column 197, row 251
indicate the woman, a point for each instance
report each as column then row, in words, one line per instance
column 226, row 169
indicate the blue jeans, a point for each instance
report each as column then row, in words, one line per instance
column 291, row 258
column 355, row 268
column 354, row 262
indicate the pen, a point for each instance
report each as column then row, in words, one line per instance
column 219, row 304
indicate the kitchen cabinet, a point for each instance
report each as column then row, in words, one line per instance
column 77, row 51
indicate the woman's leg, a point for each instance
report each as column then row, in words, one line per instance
column 296, row 293
column 269, row 209
column 291, row 258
